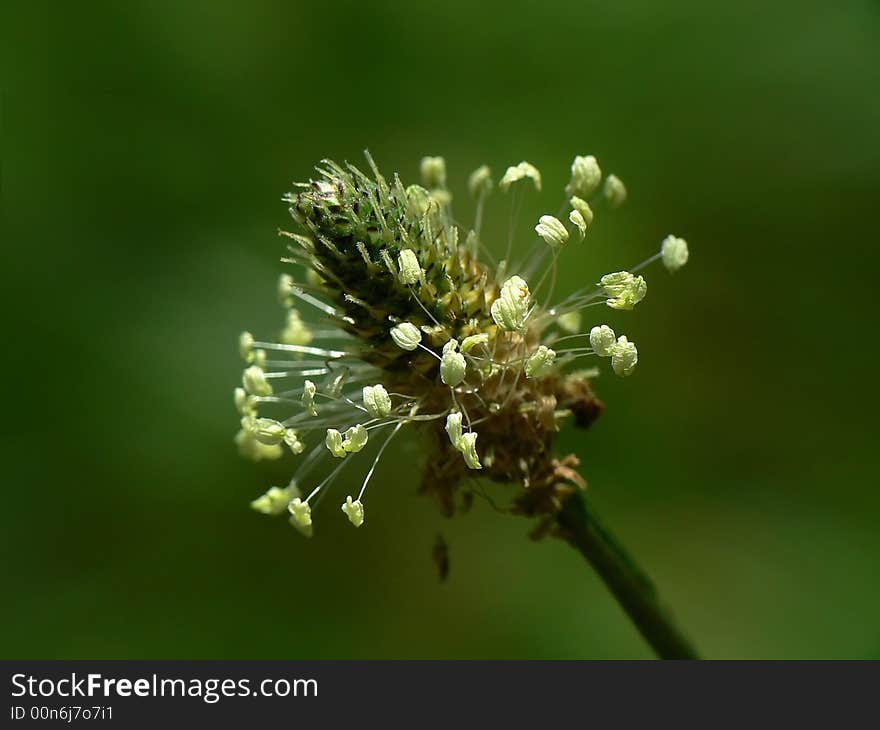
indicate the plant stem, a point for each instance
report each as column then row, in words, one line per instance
column 633, row 590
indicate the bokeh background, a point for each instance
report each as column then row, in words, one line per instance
column 145, row 149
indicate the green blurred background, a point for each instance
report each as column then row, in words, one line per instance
column 145, row 149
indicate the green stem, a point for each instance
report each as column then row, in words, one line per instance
column 581, row 528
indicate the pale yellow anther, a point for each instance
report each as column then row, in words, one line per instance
column 480, row 181
column 540, row 362
column 245, row 345
column 295, row 331
column 582, row 207
column 406, row 336
column 623, row 289
column 614, row 191
column 292, row 439
column 354, row 510
column 254, row 381
column 275, row 500
column 467, row 445
column 602, row 339
column 453, row 366
column 376, row 401
column 674, row 252
column 433, row 171
column 245, row 405
column 569, row 322
column 513, row 305
column 578, row 220
column 418, row 200
column 552, row 231
column 355, row 438
column 308, row 398
column 410, row 270
column 471, row 341
column 300, row 516
column 250, row 448
column 267, row 430
column 333, row 442
column 522, row 171
column 624, row 357
column 585, row 176
column 285, row 289
column 453, row 428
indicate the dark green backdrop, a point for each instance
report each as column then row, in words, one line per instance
column 145, row 149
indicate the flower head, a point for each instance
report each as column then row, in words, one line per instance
column 397, row 294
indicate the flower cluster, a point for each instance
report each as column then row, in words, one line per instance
column 413, row 324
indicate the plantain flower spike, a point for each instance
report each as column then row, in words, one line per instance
column 411, row 324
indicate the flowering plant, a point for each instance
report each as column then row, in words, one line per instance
column 419, row 327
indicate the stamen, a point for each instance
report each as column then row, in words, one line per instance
column 376, row 460
column 303, row 349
